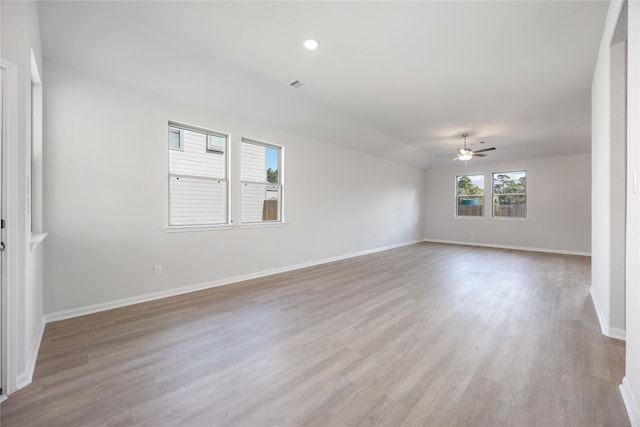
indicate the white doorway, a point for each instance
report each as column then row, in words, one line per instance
column 8, row 294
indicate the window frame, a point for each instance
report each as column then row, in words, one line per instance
column 484, row 196
column 525, row 194
column 227, row 181
column 280, row 183
column 180, row 137
column 216, row 150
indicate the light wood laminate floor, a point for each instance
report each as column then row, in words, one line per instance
column 428, row 334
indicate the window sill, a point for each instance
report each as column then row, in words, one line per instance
column 506, row 218
column 187, row 228
column 262, row 224
column 36, row 239
column 469, row 217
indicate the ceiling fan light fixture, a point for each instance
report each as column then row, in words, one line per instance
column 466, row 154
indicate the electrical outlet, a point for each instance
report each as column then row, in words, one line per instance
column 157, row 270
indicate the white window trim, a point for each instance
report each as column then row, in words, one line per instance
column 526, row 197
column 463, row 217
column 189, row 228
column 265, row 224
column 510, row 218
column 227, row 153
column 484, row 194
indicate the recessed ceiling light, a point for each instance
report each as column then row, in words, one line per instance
column 310, row 44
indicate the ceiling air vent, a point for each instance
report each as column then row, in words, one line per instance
column 296, row 83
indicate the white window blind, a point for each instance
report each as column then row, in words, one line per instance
column 198, row 185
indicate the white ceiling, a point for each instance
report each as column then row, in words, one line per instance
column 398, row 79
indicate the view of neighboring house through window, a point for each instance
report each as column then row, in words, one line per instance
column 510, row 194
column 261, row 176
column 470, row 195
column 198, row 184
column 175, row 139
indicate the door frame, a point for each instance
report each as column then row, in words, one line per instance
column 9, row 257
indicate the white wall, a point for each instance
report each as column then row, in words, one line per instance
column 608, row 180
column 20, row 35
column 617, row 203
column 607, row 119
column 558, row 206
column 631, row 383
column 106, row 198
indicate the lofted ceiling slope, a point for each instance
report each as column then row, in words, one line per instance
column 402, row 80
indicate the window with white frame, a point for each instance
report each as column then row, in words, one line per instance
column 470, row 196
column 510, row 194
column 261, row 180
column 175, row 138
column 198, row 184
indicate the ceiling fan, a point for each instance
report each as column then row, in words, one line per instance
column 466, row 154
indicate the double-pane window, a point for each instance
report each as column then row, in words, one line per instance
column 198, row 184
column 261, row 181
column 470, row 195
column 510, row 194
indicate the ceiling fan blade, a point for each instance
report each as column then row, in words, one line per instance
column 479, row 155
column 453, row 160
column 485, row 149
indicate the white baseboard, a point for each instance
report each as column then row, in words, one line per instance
column 619, row 334
column 81, row 311
column 604, row 324
column 515, row 248
column 25, row 378
column 630, row 403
